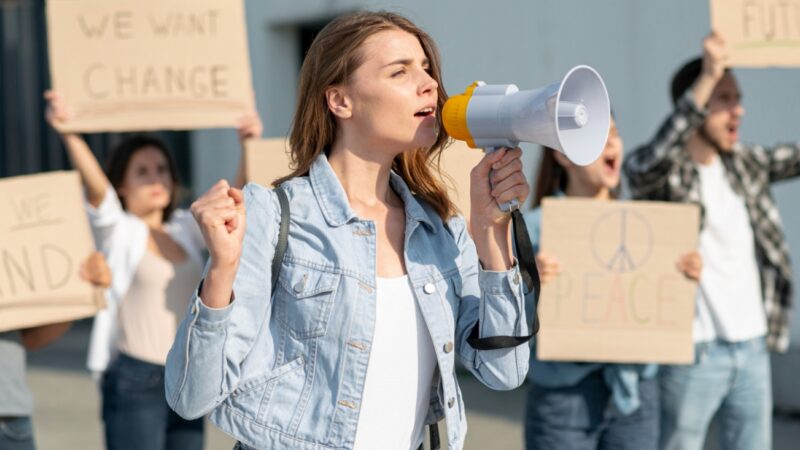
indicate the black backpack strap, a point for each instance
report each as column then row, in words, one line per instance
column 283, row 236
column 530, row 276
column 433, row 430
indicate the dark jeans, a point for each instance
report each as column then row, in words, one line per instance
column 136, row 414
column 16, row 433
column 584, row 417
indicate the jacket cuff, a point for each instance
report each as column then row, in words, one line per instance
column 207, row 317
column 502, row 311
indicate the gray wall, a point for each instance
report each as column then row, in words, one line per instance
column 635, row 44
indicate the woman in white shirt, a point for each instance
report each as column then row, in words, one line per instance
column 155, row 252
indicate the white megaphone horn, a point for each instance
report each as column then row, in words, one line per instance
column 572, row 116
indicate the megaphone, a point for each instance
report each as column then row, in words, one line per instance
column 572, row 116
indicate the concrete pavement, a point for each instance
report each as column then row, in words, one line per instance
column 67, row 406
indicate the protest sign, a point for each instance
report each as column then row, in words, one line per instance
column 760, row 32
column 620, row 297
column 44, row 239
column 267, row 160
column 150, row 64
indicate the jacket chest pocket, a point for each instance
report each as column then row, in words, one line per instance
column 304, row 300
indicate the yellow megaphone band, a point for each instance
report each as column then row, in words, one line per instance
column 454, row 116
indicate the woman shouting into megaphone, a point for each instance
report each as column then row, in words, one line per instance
column 347, row 335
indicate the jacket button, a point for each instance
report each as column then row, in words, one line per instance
column 451, row 402
column 429, row 288
column 448, row 347
column 300, row 285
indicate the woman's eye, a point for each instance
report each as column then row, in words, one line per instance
column 398, row 73
column 141, row 171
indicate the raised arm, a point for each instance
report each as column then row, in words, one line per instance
column 81, row 156
column 490, row 227
column 204, row 365
column 648, row 167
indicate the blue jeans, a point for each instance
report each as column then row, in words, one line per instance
column 584, row 417
column 136, row 414
column 16, row 433
column 730, row 380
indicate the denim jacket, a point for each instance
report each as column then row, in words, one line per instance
column 288, row 371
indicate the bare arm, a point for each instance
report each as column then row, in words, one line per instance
column 38, row 337
column 715, row 58
column 80, row 155
column 491, row 228
column 647, row 168
column 95, row 271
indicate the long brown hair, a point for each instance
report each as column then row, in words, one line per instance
column 551, row 179
column 331, row 59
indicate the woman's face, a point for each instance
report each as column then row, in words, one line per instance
column 147, row 186
column 605, row 172
column 392, row 97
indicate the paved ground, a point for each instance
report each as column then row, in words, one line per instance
column 67, row 405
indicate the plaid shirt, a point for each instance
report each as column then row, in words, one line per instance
column 663, row 170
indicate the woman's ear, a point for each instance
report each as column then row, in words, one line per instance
column 338, row 102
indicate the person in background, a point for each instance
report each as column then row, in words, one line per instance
column 745, row 296
column 574, row 405
column 16, row 400
column 155, row 252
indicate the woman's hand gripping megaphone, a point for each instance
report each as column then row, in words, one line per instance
column 497, row 185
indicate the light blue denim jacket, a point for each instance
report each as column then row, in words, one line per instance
column 288, row 372
column 621, row 379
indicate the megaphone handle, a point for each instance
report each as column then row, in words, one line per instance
column 509, row 206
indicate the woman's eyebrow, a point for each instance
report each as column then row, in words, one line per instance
column 406, row 62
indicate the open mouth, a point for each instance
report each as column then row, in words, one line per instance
column 611, row 163
column 425, row 112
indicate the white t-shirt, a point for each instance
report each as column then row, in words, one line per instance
column 397, row 389
column 729, row 298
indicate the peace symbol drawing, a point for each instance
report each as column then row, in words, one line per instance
column 633, row 241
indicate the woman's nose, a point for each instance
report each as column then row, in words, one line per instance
column 428, row 84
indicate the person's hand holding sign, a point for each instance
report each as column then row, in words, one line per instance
column 548, row 265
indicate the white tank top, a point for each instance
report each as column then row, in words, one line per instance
column 397, row 389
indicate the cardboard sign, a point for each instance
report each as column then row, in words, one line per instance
column 760, row 32
column 126, row 65
column 457, row 162
column 268, row 159
column 619, row 297
column 44, row 239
